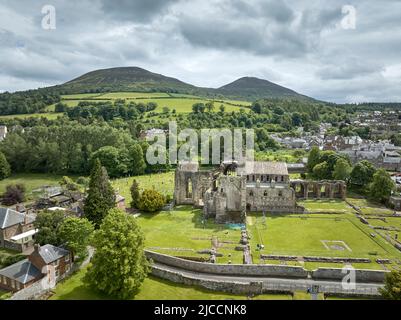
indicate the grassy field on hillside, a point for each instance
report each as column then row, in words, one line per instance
column 162, row 182
column 48, row 115
column 31, row 181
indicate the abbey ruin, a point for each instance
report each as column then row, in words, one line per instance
column 229, row 191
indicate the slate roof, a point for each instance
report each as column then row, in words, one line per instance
column 263, row 167
column 50, row 253
column 22, row 271
column 10, row 217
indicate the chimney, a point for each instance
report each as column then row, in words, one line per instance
column 26, row 217
column 36, row 248
column 17, row 208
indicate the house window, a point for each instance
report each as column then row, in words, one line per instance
column 56, row 263
column 67, row 268
column 57, row 273
column 67, row 258
column 280, row 193
column 265, row 194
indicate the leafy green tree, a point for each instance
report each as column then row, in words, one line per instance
column 75, row 233
column 111, row 158
column 382, row 186
column 137, row 161
column 5, row 169
column 313, row 158
column 321, row 171
column 151, row 201
column 119, row 265
column 342, row 170
column 135, row 194
column 48, row 223
column 392, row 286
column 210, row 106
column 101, row 197
column 362, row 173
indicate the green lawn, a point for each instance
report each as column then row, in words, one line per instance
column 152, row 289
column 303, row 235
column 4, row 295
column 369, row 207
column 32, row 181
column 189, row 234
column 329, row 206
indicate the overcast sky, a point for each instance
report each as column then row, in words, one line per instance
column 304, row 45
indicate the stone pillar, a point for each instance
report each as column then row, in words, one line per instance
column 318, row 187
column 306, row 187
column 343, row 191
column 331, row 193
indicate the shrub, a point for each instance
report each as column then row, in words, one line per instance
column 151, row 201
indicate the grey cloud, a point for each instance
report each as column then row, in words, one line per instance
column 134, row 10
column 349, row 69
column 294, row 42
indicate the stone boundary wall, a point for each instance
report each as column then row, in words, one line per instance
column 360, row 274
column 229, row 269
column 214, row 285
column 316, row 259
column 265, row 270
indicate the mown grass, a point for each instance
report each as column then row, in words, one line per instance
column 303, row 235
column 4, row 294
column 329, row 206
column 152, row 289
column 191, row 234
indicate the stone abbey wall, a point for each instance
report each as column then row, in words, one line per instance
column 324, row 189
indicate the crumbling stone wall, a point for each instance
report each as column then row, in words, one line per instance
column 324, row 189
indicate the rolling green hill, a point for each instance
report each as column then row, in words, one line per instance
column 134, row 79
column 250, row 88
column 126, row 79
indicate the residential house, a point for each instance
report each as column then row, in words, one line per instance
column 48, row 264
column 16, row 230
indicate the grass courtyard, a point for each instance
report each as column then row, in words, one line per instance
column 189, row 235
column 327, row 206
column 317, row 235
